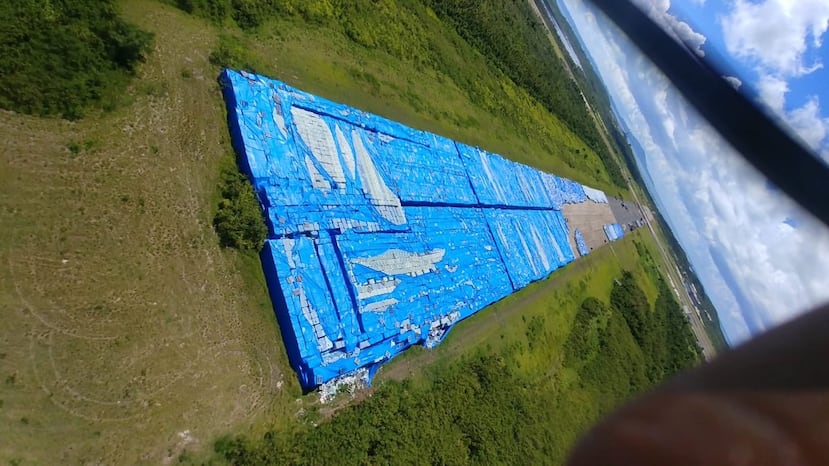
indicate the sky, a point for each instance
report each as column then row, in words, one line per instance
column 760, row 258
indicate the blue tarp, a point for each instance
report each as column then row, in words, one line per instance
column 501, row 182
column 533, row 243
column 614, row 231
column 571, row 192
column 581, row 245
column 382, row 236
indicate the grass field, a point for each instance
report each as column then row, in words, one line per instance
column 128, row 335
column 557, row 299
column 503, row 329
column 325, row 62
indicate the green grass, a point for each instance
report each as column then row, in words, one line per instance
column 128, row 334
column 485, row 52
column 556, row 299
column 503, row 327
column 513, row 384
column 323, row 61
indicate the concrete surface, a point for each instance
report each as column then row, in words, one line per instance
column 590, row 218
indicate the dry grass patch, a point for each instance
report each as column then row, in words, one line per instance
column 127, row 335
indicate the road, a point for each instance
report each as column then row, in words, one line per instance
column 673, row 273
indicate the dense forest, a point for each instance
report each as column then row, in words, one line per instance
column 593, row 88
column 479, row 410
column 62, row 57
column 711, row 319
column 507, row 33
column 664, row 336
column 510, row 35
column 484, row 409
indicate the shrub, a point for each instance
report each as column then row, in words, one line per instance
column 214, row 10
column 238, row 220
column 61, row 57
column 232, row 53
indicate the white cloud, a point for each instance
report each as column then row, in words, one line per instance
column 780, row 270
column 808, row 123
column 711, row 198
column 660, row 99
column 773, row 92
column 776, row 33
column 775, row 36
column 734, row 81
column 680, row 30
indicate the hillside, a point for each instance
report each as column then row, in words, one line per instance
column 59, row 58
column 129, row 335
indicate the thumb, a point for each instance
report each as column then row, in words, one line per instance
column 711, row 429
column 764, row 403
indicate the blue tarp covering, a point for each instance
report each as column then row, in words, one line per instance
column 581, row 245
column 501, row 182
column 533, row 243
column 382, row 236
column 571, row 192
column 614, row 231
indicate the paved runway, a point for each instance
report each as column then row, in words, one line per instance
column 626, row 212
column 590, row 218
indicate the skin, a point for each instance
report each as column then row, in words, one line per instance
column 764, row 403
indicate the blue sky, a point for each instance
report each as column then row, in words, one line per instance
column 761, row 260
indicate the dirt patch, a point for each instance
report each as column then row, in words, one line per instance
column 124, row 323
column 590, row 218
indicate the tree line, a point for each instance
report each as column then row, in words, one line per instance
column 63, row 57
column 485, row 409
column 664, row 335
column 507, row 33
column 511, row 36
